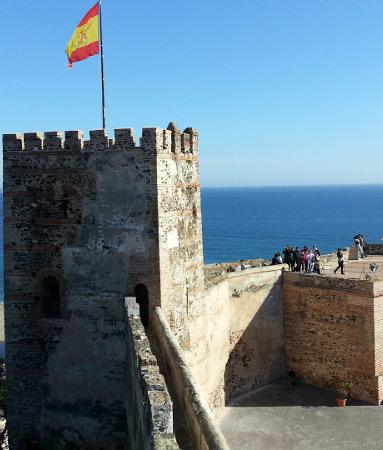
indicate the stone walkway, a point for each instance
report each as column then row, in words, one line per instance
column 359, row 269
column 284, row 417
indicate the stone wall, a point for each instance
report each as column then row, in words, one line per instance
column 149, row 408
column 180, row 229
column 237, row 338
column 81, row 220
column 196, row 428
column 334, row 332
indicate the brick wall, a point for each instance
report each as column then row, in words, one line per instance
column 333, row 332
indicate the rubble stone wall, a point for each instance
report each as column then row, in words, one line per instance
column 334, row 332
column 180, row 230
column 148, row 404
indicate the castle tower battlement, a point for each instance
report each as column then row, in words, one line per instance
column 87, row 223
column 169, row 141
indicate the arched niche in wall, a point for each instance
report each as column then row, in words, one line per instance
column 142, row 297
column 68, row 200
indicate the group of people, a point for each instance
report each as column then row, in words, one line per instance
column 299, row 260
column 308, row 259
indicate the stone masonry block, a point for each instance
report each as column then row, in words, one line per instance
column 185, row 143
column 74, row 140
column 193, row 139
column 53, row 140
column 176, row 137
column 33, row 141
column 124, row 138
column 98, row 140
column 13, row 142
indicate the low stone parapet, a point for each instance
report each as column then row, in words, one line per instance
column 149, row 407
column 203, row 431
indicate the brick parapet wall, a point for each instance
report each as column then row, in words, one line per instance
column 331, row 332
column 335, row 283
column 149, row 407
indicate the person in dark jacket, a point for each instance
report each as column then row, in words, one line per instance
column 286, row 255
column 292, row 260
column 339, row 255
column 297, row 259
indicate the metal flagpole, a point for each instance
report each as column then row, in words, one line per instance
column 102, row 68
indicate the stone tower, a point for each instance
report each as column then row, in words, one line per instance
column 87, row 223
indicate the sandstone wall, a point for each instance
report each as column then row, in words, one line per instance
column 237, row 339
column 149, row 408
column 196, row 428
column 333, row 332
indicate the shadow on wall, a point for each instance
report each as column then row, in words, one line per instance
column 289, row 392
column 258, row 355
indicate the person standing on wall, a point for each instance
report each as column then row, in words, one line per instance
column 297, row 259
column 317, row 262
column 339, row 255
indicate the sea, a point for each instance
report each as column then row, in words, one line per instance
column 257, row 222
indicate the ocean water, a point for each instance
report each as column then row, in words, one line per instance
column 247, row 223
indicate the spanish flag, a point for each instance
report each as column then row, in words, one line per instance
column 84, row 42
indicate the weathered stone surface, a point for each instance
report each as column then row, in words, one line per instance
column 98, row 218
column 196, row 427
column 239, row 320
column 148, row 405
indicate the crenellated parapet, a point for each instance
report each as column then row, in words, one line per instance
column 186, row 142
column 170, row 140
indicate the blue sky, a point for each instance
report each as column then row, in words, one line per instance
column 282, row 92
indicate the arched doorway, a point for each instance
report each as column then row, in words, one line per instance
column 50, row 298
column 142, row 298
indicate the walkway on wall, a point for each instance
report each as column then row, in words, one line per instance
column 282, row 416
column 359, row 269
column 180, row 428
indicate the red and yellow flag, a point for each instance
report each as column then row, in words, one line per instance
column 84, row 42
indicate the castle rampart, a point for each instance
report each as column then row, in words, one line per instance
column 241, row 326
column 88, row 223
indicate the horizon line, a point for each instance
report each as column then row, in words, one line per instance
column 285, row 185
column 294, row 185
